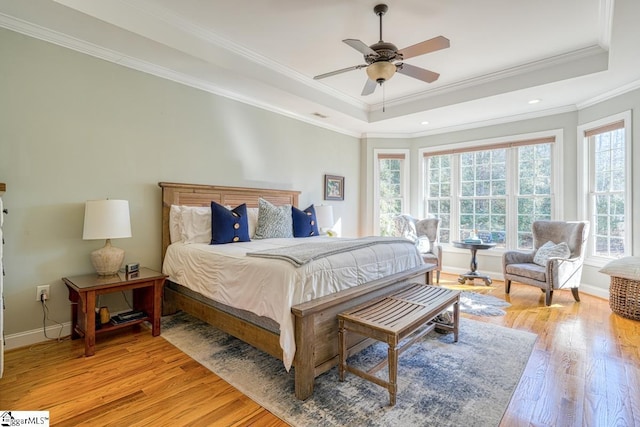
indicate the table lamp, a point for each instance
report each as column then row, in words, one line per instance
column 106, row 219
column 324, row 216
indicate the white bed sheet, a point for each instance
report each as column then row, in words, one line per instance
column 270, row 287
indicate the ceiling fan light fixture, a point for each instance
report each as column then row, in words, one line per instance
column 381, row 71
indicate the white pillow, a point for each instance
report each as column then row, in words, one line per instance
column 625, row 268
column 551, row 250
column 252, row 218
column 196, row 224
column 175, row 223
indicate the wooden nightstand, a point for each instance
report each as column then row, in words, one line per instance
column 147, row 286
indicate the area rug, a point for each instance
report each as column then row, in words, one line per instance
column 440, row 383
column 481, row 304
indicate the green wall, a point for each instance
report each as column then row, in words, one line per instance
column 73, row 128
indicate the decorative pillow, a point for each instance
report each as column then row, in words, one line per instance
column 228, row 226
column 252, row 216
column 196, row 224
column 273, row 221
column 405, row 227
column 551, row 250
column 304, row 222
column 423, row 244
column 625, row 268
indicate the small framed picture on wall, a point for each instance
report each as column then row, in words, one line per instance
column 333, row 187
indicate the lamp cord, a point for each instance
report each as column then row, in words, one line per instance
column 45, row 317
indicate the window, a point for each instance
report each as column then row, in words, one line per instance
column 391, row 188
column 533, row 197
column 605, row 154
column 438, row 200
column 496, row 189
column 483, row 192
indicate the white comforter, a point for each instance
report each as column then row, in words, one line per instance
column 270, row 287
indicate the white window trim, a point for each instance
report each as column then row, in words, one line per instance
column 584, row 179
column 405, row 175
column 557, row 189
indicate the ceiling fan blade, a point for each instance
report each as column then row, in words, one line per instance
column 360, row 47
column 417, row 73
column 344, row 70
column 369, row 87
column 426, row 46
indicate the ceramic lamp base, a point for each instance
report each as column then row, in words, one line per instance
column 107, row 260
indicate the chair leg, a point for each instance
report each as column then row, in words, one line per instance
column 548, row 297
column 438, row 277
column 574, row 291
column 507, row 286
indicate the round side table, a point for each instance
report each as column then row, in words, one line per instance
column 473, row 273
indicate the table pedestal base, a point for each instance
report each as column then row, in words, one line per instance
column 471, row 275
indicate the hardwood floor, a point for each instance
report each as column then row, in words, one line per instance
column 584, row 371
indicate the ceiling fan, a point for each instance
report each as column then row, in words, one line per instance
column 383, row 59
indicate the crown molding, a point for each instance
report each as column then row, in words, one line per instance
column 54, row 37
column 554, row 61
column 609, row 94
column 605, row 22
column 476, row 125
column 48, row 35
column 193, row 30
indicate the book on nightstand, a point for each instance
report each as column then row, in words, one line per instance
column 129, row 316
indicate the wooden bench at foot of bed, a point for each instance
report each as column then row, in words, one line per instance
column 391, row 319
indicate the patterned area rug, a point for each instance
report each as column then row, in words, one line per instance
column 481, row 304
column 440, row 383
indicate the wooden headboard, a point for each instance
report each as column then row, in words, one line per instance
column 202, row 195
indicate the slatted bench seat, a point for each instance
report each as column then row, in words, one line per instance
column 397, row 321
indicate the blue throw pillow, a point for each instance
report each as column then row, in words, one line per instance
column 304, row 222
column 229, row 226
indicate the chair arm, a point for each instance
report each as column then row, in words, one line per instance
column 517, row 257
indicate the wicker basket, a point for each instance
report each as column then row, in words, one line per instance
column 624, row 297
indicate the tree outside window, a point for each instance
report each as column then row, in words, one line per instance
column 475, row 186
column 391, row 192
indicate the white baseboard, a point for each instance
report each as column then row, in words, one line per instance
column 595, row 291
column 35, row 336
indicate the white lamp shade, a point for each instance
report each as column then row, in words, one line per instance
column 324, row 216
column 106, row 219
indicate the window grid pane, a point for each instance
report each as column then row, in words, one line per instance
column 438, row 189
column 608, row 197
column 483, row 189
column 391, row 201
column 534, row 190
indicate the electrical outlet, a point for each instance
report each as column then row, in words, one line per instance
column 44, row 289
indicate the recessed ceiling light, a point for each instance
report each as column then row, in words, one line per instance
column 534, row 101
column 424, row 123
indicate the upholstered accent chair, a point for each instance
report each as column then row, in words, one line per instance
column 548, row 268
column 424, row 232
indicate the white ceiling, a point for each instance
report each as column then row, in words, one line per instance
column 504, row 53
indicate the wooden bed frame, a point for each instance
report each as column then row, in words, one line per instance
column 316, row 324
